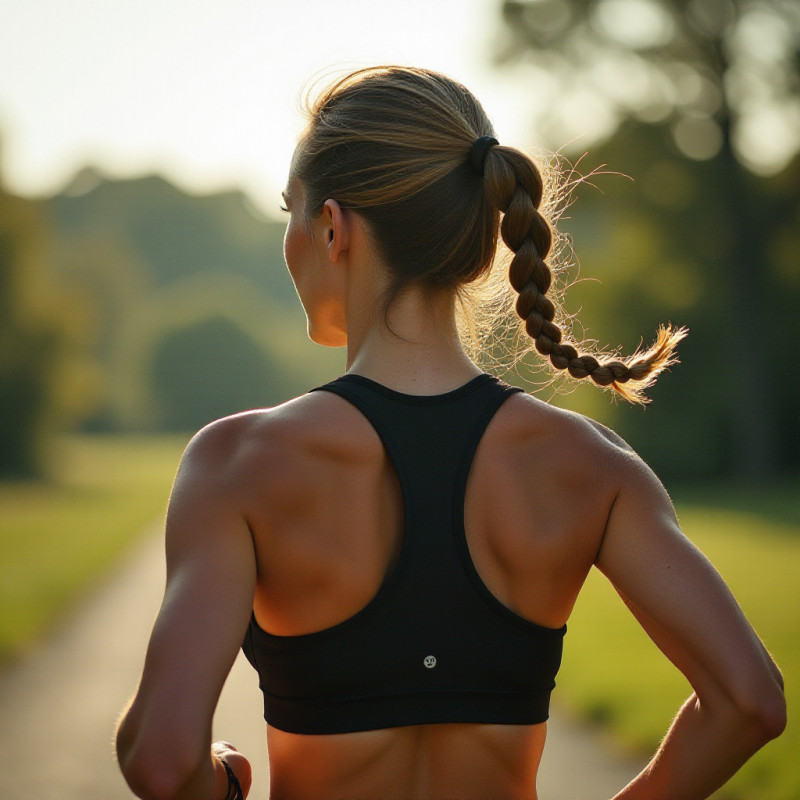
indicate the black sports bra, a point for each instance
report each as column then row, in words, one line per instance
column 433, row 645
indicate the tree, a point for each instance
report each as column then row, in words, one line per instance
column 721, row 79
column 30, row 338
column 650, row 256
column 209, row 369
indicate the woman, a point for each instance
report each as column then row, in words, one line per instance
column 400, row 550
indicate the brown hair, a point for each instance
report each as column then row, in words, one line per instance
column 393, row 143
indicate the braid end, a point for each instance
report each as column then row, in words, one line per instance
column 644, row 367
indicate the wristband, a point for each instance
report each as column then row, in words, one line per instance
column 234, row 787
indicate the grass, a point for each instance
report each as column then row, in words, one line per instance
column 59, row 536
column 615, row 676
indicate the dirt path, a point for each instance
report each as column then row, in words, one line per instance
column 59, row 704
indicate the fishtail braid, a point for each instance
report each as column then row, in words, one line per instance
column 514, row 187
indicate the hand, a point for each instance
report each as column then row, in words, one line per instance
column 236, row 761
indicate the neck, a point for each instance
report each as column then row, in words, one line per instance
column 416, row 349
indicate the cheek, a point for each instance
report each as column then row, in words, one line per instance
column 291, row 247
column 298, row 254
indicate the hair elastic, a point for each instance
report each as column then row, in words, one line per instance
column 477, row 155
column 234, row 787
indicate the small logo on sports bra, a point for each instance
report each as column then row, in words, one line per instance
column 429, row 661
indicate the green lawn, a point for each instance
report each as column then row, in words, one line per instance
column 59, row 536
column 614, row 675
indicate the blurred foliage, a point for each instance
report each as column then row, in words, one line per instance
column 722, row 73
column 129, row 305
column 653, row 249
column 698, row 101
column 206, row 370
column 195, row 315
column 28, row 342
column 141, row 340
column 45, row 376
column 172, row 234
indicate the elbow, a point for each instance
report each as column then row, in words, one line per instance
column 772, row 717
column 753, row 710
column 147, row 783
column 765, row 709
column 151, row 779
column 155, row 774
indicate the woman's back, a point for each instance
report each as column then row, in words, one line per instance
column 326, row 512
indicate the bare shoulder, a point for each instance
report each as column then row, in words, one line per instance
column 277, row 444
column 559, row 468
column 564, row 439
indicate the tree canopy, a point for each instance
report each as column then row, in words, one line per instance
column 724, row 73
column 713, row 85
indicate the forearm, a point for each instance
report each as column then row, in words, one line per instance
column 704, row 746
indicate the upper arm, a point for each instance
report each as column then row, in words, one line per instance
column 207, row 604
column 678, row 596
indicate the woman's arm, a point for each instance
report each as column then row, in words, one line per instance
column 686, row 608
column 164, row 736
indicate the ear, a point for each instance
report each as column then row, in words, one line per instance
column 336, row 230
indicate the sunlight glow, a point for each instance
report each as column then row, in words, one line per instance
column 766, row 140
column 697, row 137
column 634, row 23
column 206, row 92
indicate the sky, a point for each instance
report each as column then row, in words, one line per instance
column 207, row 92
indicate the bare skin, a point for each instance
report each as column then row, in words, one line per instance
column 294, row 513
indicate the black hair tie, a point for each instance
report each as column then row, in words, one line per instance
column 477, row 155
column 234, row 787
